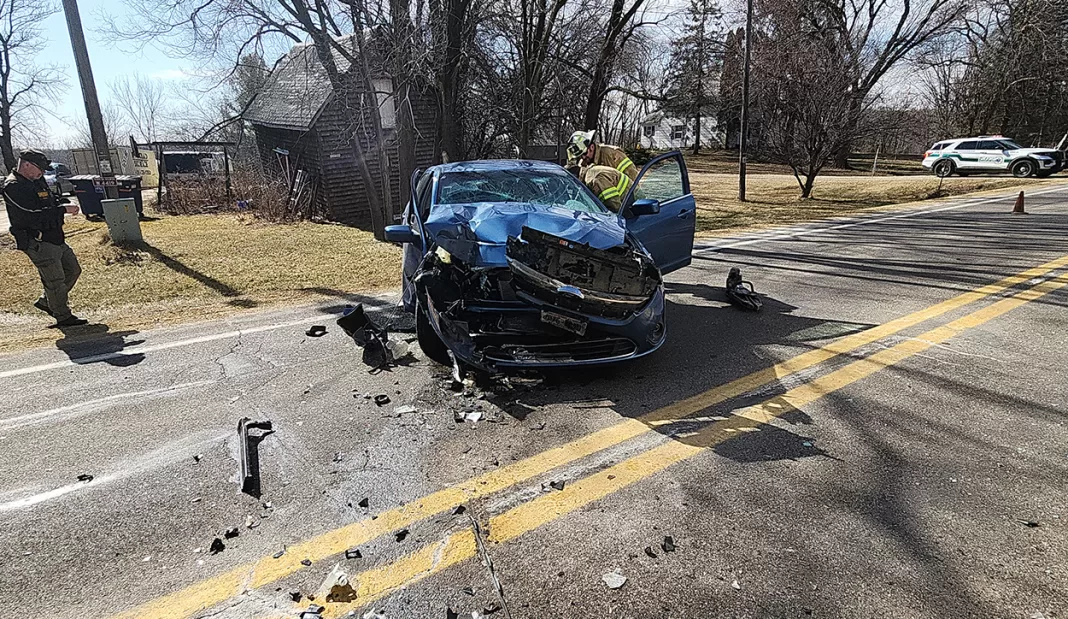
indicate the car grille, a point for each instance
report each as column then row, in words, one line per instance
column 562, row 352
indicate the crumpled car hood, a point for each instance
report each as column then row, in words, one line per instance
column 477, row 234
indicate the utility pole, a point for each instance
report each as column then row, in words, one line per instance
column 743, row 138
column 92, row 103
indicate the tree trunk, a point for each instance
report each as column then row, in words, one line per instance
column 450, row 117
column 806, row 188
column 697, row 134
column 6, row 148
column 402, row 88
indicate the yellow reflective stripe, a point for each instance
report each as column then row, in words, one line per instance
column 616, row 190
column 623, row 165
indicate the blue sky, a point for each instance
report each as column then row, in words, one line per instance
column 110, row 60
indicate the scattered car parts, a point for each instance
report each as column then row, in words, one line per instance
column 247, row 472
column 741, row 292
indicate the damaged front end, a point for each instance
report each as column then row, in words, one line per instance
column 556, row 303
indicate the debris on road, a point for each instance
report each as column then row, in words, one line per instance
column 250, row 522
column 353, row 553
column 295, row 595
column 306, row 562
column 735, row 585
column 231, row 533
column 278, row 555
column 197, row 457
column 379, row 352
column 364, row 502
column 400, row 535
column 459, row 510
column 381, row 399
column 373, row 614
column 480, row 544
column 614, row 579
column 405, row 410
column 668, row 545
column 338, row 456
column 314, row 612
column 450, row 613
column 316, row 331
column 85, row 477
column 217, row 546
column 249, row 471
column 336, row 586
column 741, row 292
column 649, row 551
column 557, row 485
column 1030, row 523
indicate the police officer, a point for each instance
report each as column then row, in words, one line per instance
column 37, row 225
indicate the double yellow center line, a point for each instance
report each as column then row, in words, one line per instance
column 460, row 546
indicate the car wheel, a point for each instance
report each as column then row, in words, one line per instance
column 1023, row 168
column 943, row 168
column 429, row 342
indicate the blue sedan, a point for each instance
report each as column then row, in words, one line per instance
column 512, row 264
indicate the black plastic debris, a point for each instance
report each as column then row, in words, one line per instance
column 316, row 331
column 231, row 533
column 649, row 551
column 295, row 595
column 557, row 485
column 490, row 608
column 85, row 477
column 373, row 339
column 381, row 399
column 668, row 545
column 469, row 590
column 248, row 453
column 459, row 510
column 278, row 555
column 353, row 553
column 450, row 613
column 741, row 292
column 1030, row 524
column 314, row 612
column 400, row 535
column 364, row 502
column 305, row 562
column 217, row 546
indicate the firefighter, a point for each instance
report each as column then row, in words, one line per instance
column 608, row 184
column 37, row 225
column 583, row 151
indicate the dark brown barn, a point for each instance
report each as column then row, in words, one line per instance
column 299, row 124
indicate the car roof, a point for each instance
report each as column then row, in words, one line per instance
column 486, row 165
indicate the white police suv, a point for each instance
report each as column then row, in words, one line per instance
column 991, row 153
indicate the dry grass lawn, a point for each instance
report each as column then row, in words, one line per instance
column 773, row 198
column 195, row 267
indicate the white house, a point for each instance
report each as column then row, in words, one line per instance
column 662, row 132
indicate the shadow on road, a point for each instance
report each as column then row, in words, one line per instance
column 87, row 343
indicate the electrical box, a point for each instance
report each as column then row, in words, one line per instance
column 123, row 224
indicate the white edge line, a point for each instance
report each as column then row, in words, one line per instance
column 790, row 235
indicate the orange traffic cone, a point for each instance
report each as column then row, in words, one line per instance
column 1019, row 208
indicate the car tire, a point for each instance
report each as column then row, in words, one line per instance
column 943, row 168
column 429, row 342
column 1024, row 168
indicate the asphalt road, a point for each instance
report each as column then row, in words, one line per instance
column 888, row 438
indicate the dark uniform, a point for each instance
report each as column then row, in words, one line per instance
column 37, row 225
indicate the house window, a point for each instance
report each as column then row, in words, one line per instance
column 384, row 95
column 649, row 131
column 678, row 132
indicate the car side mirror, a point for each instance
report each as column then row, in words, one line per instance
column 401, row 234
column 645, row 206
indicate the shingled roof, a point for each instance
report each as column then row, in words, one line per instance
column 297, row 89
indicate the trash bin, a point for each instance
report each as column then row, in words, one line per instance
column 89, row 188
column 130, row 187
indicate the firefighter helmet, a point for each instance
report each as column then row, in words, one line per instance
column 578, row 144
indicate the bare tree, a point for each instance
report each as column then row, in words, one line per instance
column 24, row 85
column 143, row 104
column 114, row 125
column 807, row 110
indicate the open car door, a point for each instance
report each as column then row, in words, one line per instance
column 661, row 212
